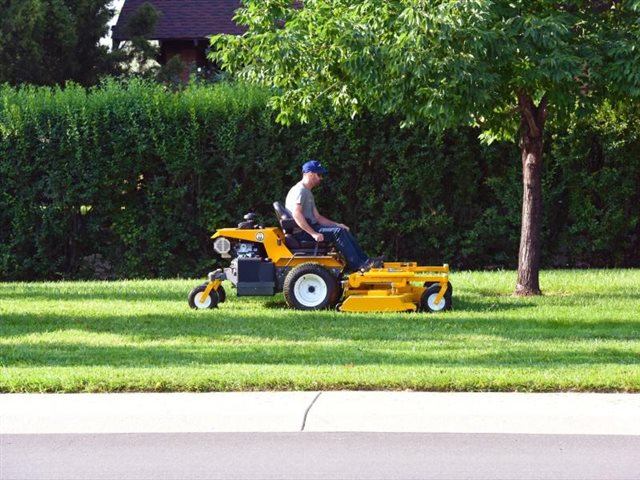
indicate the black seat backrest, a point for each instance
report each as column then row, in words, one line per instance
column 287, row 223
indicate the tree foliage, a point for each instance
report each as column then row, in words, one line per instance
column 443, row 61
column 48, row 42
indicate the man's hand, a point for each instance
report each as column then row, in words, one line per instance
column 318, row 237
column 342, row 225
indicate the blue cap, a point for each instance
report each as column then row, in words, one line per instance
column 314, row 166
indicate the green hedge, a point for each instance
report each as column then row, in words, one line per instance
column 130, row 180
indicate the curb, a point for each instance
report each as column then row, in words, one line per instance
column 514, row 413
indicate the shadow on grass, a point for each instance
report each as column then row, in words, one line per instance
column 276, row 304
column 460, row 305
column 289, row 325
column 338, row 354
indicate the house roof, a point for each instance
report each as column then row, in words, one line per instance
column 184, row 19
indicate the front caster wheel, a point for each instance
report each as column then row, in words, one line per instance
column 222, row 295
column 428, row 300
column 448, row 293
column 198, row 301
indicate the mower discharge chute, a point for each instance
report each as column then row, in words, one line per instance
column 268, row 260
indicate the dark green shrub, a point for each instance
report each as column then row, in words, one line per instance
column 599, row 167
column 130, row 180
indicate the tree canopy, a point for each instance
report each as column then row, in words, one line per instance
column 501, row 65
column 441, row 60
column 47, row 42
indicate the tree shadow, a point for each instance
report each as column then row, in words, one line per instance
column 64, row 354
column 293, row 325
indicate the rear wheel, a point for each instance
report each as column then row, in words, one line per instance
column 310, row 287
column 429, row 297
column 198, row 301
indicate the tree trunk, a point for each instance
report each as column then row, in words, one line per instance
column 532, row 120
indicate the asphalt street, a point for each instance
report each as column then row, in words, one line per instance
column 349, row 455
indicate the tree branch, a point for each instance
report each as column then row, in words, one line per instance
column 535, row 116
column 526, row 109
column 542, row 111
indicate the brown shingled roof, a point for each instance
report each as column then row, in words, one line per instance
column 184, row 19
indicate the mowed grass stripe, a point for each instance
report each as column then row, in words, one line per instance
column 582, row 335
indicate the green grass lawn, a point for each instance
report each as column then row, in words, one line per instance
column 582, row 335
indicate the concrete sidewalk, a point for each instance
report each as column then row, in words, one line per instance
column 540, row 413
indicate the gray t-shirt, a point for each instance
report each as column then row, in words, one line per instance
column 299, row 194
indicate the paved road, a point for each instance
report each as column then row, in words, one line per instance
column 317, row 435
column 352, row 455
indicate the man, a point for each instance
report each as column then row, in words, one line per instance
column 316, row 227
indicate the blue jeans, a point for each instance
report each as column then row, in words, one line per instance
column 345, row 243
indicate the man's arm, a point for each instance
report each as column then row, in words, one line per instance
column 298, row 216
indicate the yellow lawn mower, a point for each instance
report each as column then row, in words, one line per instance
column 268, row 260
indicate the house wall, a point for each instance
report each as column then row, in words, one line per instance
column 192, row 52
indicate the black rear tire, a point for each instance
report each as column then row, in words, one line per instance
column 310, row 286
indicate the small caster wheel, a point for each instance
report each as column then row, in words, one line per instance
column 222, row 295
column 428, row 300
column 197, row 300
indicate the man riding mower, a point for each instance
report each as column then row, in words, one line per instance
column 313, row 275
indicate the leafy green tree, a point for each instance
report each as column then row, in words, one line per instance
column 506, row 66
column 48, row 42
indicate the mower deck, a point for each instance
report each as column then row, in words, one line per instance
column 393, row 288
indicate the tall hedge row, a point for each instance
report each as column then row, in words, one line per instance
column 130, row 180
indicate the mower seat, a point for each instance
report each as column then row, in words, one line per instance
column 289, row 227
column 285, row 217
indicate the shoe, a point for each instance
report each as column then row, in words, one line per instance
column 373, row 262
